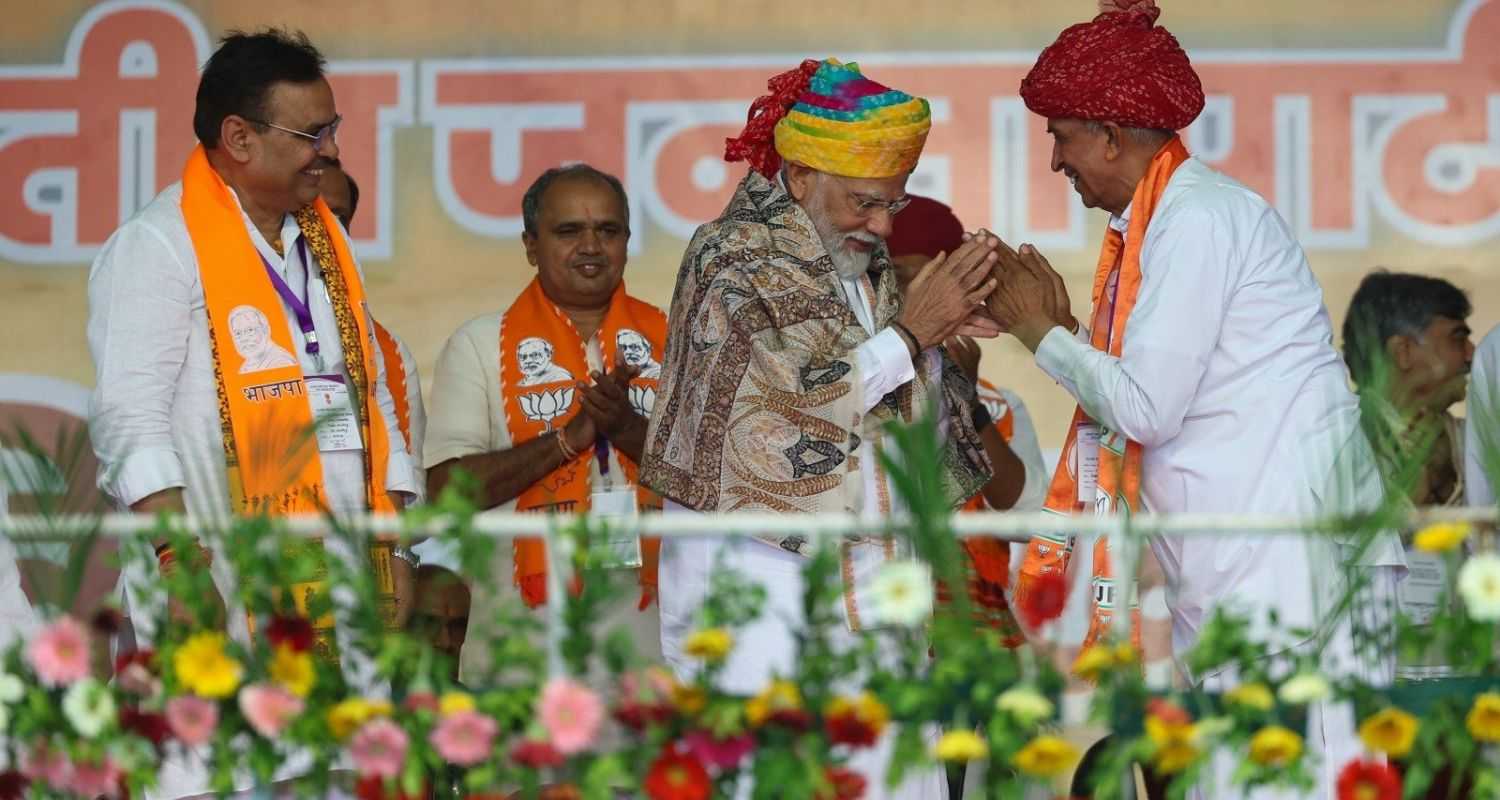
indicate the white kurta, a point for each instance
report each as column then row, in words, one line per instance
column 1229, row 379
column 766, row 647
column 154, row 413
column 1482, row 431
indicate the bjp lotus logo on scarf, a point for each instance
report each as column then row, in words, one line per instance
column 544, row 407
column 642, row 399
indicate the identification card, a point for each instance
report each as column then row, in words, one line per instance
column 1086, row 461
column 1422, row 591
column 333, row 413
column 621, row 547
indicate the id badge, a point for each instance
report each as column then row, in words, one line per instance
column 1086, row 461
column 334, row 420
column 621, row 547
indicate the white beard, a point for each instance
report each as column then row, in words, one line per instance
column 847, row 263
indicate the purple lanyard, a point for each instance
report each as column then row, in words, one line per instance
column 601, row 452
column 300, row 309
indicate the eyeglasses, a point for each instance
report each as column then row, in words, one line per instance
column 320, row 137
column 866, row 207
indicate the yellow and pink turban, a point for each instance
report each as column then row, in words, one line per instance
column 1118, row 68
column 832, row 118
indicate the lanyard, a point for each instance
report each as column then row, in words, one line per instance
column 601, row 452
column 300, row 309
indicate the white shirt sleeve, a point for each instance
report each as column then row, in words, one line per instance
column 885, row 362
column 1026, row 446
column 1482, row 428
column 140, row 305
column 459, row 424
column 1172, row 331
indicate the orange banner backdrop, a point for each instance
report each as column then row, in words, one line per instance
column 1375, row 132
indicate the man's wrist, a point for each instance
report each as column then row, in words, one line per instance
column 913, row 344
column 1031, row 332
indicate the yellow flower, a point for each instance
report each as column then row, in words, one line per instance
column 454, row 702
column 204, row 668
column 1046, row 757
column 1442, row 537
column 1251, row 695
column 1391, row 731
column 960, row 746
column 1305, row 688
column 1484, row 718
column 1025, row 704
column 346, row 717
column 781, row 695
column 1098, row 659
column 689, row 699
column 1176, row 744
column 709, row 644
column 293, row 670
column 1275, row 746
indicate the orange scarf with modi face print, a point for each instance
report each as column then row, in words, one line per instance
column 542, row 360
column 1117, row 282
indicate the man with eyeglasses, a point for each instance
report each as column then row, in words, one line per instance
column 179, row 420
column 790, row 346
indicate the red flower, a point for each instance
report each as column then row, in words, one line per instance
column 1369, row 780
column 373, row 788
column 1045, row 599
column 795, row 718
column 107, row 621
column 145, row 724
column 1168, row 711
column 845, row 784
column 422, row 701
column 637, row 716
column 675, row 776
column 13, row 785
column 293, row 632
column 143, row 658
column 536, row 754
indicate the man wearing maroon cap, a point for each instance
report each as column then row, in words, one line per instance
column 1206, row 378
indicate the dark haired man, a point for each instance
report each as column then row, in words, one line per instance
column 243, row 232
column 542, row 403
column 1407, row 339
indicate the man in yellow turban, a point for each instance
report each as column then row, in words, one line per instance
column 790, row 346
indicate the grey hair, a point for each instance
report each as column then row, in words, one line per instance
column 531, row 202
column 1146, row 136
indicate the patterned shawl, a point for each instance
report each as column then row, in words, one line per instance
column 760, row 401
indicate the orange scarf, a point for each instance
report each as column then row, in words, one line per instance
column 1119, row 460
column 395, row 379
column 544, row 397
column 270, row 451
column 990, row 558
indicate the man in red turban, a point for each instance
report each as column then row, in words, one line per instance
column 1205, row 376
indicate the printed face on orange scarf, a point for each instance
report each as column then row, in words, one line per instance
column 285, row 169
column 578, row 247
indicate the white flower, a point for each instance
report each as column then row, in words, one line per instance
column 1479, row 583
column 1026, row 704
column 89, row 707
column 11, row 689
column 1307, row 687
column 901, row 593
column 1214, row 727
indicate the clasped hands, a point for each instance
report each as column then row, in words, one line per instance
column 985, row 288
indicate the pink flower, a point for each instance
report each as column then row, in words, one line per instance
column 268, row 708
column 464, row 738
column 192, row 719
column 44, row 765
column 94, row 780
column 571, row 713
column 379, row 748
column 60, row 652
column 719, row 753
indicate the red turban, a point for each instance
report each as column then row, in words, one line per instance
column 925, row 227
column 1118, row 68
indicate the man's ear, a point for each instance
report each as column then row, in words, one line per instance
column 528, row 239
column 799, row 180
column 1113, row 141
column 237, row 138
column 1402, row 351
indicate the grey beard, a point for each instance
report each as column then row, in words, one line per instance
column 847, row 264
